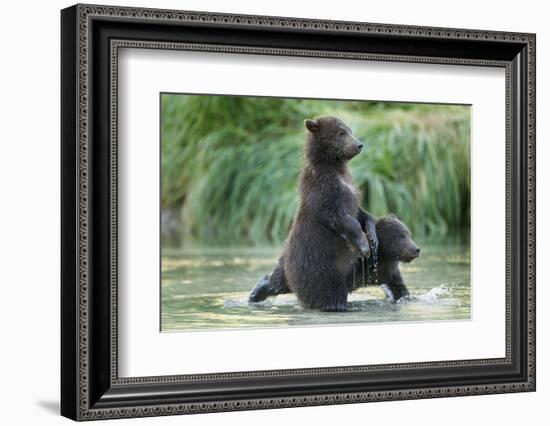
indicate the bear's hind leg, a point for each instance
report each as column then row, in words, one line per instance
column 270, row 285
column 338, row 302
column 329, row 294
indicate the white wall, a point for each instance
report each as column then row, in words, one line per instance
column 29, row 225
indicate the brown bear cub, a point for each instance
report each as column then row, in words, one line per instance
column 395, row 245
column 330, row 229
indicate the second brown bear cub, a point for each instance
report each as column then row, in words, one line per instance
column 330, row 229
column 395, row 245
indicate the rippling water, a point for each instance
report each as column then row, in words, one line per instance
column 208, row 289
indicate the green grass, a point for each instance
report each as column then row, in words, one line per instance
column 230, row 164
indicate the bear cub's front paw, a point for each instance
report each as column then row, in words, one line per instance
column 373, row 241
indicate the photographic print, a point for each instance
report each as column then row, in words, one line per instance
column 284, row 212
column 265, row 185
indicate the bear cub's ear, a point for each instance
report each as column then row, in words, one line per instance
column 312, row 125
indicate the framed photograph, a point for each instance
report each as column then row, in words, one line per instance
column 263, row 212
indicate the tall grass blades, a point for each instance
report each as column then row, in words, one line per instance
column 230, row 164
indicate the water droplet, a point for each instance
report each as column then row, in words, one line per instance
column 375, row 267
column 353, row 282
column 363, row 271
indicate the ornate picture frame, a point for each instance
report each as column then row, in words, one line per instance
column 91, row 37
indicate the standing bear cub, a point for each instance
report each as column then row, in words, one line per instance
column 330, row 230
column 395, row 245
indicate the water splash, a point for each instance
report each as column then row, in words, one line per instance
column 241, row 301
column 440, row 295
column 387, row 292
column 434, row 295
column 375, row 267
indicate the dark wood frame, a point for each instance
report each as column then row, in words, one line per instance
column 90, row 386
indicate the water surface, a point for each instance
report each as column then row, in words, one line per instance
column 207, row 288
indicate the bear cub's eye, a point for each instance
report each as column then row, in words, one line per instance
column 341, row 133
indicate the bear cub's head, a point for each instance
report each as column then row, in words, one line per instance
column 331, row 139
column 394, row 240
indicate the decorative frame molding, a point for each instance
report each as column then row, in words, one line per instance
column 91, row 37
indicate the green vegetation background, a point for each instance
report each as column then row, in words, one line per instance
column 229, row 165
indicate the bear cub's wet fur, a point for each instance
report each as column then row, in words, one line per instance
column 395, row 245
column 330, row 230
